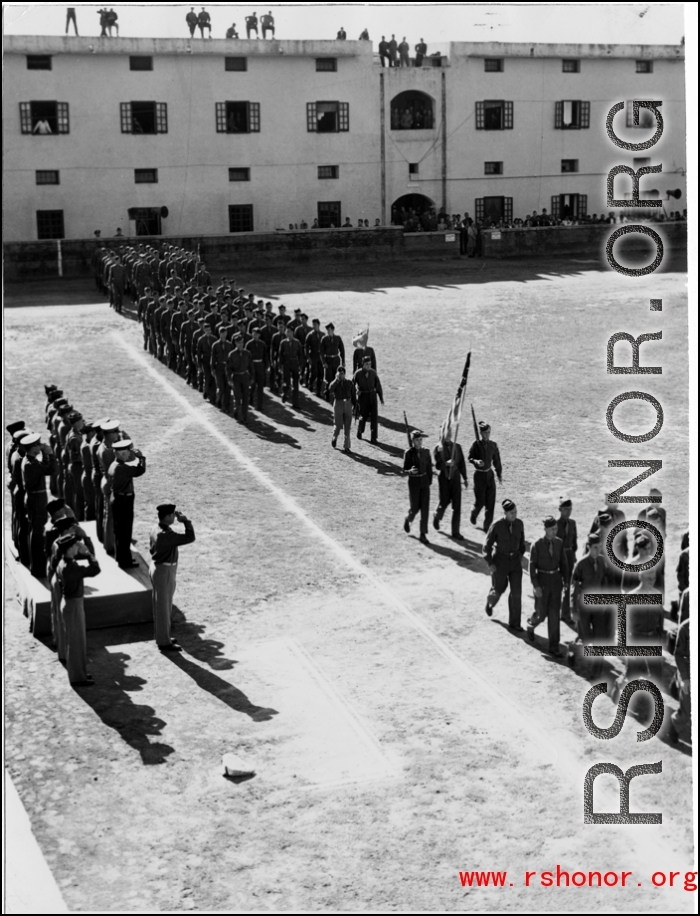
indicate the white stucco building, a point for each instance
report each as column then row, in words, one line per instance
column 179, row 137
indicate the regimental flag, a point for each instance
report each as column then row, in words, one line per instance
column 450, row 426
column 361, row 338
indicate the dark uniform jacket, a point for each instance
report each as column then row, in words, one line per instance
column 164, row 542
column 332, row 347
column 239, row 361
column 368, row 383
column 420, row 460
column 342, row 389
column 290, row 353
column 443, row 453
column 547, row 560
column 359, row 355
column 566, row 530
column 486, row 451
column 505, row 540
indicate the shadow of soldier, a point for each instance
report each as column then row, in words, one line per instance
column 382, row 467
column 189, row 635
column 265, row 431
column 466, row 554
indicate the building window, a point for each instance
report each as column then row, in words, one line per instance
column 571, row 66
column 572, row 115
column 328, row 171
column 237, row 117
column 43, row 118
column 569, row 206
column 413, row 168
column 412, row 110
column 569, row 165
column 146, row 176
column 494, row 115
column 327, row 117
column 237, row 64
column 47, row 176
column 647, row 119
column 39, row 62
column 240, row 218
column 140, row 62
column 147, row 220
column 493, row 168
column 644, row 66
column 326, row 65
column 493, row 65
column 328, row 214
column 239, row 174
column 144, row 117
column 49, row 224
column 490, row 210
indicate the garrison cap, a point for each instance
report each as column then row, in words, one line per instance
column 59, row 402
column 484, row 426
column 49, row 388
column 604, row 517
column 549, row 522
column 237, row 337
column 30, row 439
column 14, row 427
column 297, row 311
column 122, row 444
column 366, row 359
column 255, row 329
column 165, row 509
column 74, row 416
column 508, row 505
column 564, row 503
column 304, row 316
column 593, row 539
column 330, row 326
column 66, row 408
column 316, row 321
column 66, row 540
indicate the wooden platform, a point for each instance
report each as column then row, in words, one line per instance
column 114, row 598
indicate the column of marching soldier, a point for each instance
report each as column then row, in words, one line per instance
column 85, row 472
column 230, row 346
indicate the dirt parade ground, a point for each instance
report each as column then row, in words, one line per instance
column 398, row 735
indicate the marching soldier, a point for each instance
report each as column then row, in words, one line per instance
column 219, row 359
column 503, row 551
column 239, row 365
column 342, row 394
column 290, row 360
column 332, row 353
column 37, row 465
column 128, row 463
column 312, row 347
column 368, row 388
column 361, row 351
column 452, row 470
column 548, row 572
column 566, row 531
column 258, row 358
column 164, row 544
column 301, row 332
column 592, row 621
column 187, row 367
column 418, row 465
column 485, row 458
column 70, row 574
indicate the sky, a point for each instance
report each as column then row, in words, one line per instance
column 607, row 23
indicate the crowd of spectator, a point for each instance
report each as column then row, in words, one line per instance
column 431, row 221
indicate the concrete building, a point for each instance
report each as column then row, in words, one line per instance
column 178, row 137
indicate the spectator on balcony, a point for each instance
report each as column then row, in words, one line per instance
column 191, row 20
column 384, row 52
column 364, row 35
column 232, row 32
column 112, row 22
column 421, row 50
column 251, row 25
column 393, row 52
column 404, row 59
column 268, row 24
column 204, row 22
column 347, row 224
column 342, row 34
column 42, row 126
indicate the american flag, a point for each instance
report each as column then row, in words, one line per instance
column 451, row 424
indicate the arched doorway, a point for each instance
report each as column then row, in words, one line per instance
column 408, row 207
column 412, row 110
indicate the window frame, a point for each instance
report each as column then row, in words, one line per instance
column 60, row 117
column 644, row 66
column 35, row 58
column 499, row 65
column 160, row 118
column 583, row 114
column 142, row 179
column 249, row 212
column 342, row 119
column 39, row 172
column 335, row 172
column 498, row 170
column 645, row 114
column 337, row 207
column 507, row 116
column 45, row 214
column 230, row 59
column 332, row 61
column 241, row 169
column 567, row 171
column 252, row 112
column 570, row 65
column 141, row 58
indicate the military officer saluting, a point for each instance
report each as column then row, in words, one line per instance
column 485, row 458
column 164, row 544
column 548, row 572
column 503, row 551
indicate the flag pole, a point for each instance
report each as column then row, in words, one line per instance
column 454, row 440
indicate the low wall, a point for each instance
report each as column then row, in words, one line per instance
column 37, row 260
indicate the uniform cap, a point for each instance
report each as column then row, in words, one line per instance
column 66, row 540
column 49, row 388
column 366, row 359
column 165, row 509
column 64, row 521
column 55, row 506
column 66, row 409
column 642, row 539
column 304, row 316
column 256, row 329
column 30, row 439
column 417, row 434
column 122, row 444
column 593, row 539
column 316, row 321
column 564, row 503
column 74, row 416
column 604, row 518
column 59, row 401
column 549, row 522
column 341, row 369
column 484, row 426
column 653, row 513
column 99, row 424
column 508, row 505
column 297, row 311
column 110, row 426
column 15, row 427
column 330, row 326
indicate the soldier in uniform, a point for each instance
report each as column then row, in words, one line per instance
column 368, row 388
column 70, row 574
column 187, row 367
column 548, row 572
column 361, row 350
column 452, row 470
column 96, row 474
column 342, row 394
column 37, row 465
column 680, row 719
column 219, row 359
column 258, row 357
column 105, row 459
column 128, row 463
column 312, row 346
column 239, row 365
column 418, row 465
column 74, row 464
column 275, row 367
column 204, row 348
column 332, row 353
column 503, row 551
column 589, row 578
column 566, row 531
column 301, row 332
column 290, row 360
column 485, row 458
column 164, row 544
column 14, row 457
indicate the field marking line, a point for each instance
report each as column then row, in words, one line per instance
column 517, row 717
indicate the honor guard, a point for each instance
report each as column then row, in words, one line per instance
column 368, row 389
column 418, row 465
column 503, row 551
column 485, row 458
column 452, row 470
column 128, row 463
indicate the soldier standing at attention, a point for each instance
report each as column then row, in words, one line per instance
column 312, row 346
column 368, row 388
column 503, row 551
column 452, row 470
column 485, row 457
column 418, row 465
column 105, row 459
column 421, row 51
column 70, row 574
column 74, row 464
column 341, row 393
column 86, row 478
column 191, row 20
column 164, row 544
column 37, row 465
column 290, row 361
column 219, row 360
column 204, row 348
column 301, row 332
column 404, row 59
column 275, row 368
column 384, row 52
column 566, row 531
column 239, row 365
column 128, row 463
column 258, row 358
column 14, row 457
column 548, row 572
column 332, row 352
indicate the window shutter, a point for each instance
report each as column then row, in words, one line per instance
column 254, row 117
column 161, row 117
column 343, row 116
column 583, row 204
column 480, row 116
column 508, row 116
column 585, row 114
column 25, row 117
column 125, row 111
column 62, row 117
column 479, row 206
column 558, row 115
column 554, row 204
column 508, row 208
column 311, row 117
column 220, row 117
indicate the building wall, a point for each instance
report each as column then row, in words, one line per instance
column 96, row 161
